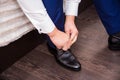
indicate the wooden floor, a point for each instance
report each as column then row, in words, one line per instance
column 98, row 62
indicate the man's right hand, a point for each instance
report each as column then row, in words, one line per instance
column 60, row 39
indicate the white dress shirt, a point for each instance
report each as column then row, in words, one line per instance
column 37, row 14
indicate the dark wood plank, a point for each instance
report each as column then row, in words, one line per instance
column 44, row 67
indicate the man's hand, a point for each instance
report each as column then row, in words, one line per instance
column 70, row 28
column 60, row 39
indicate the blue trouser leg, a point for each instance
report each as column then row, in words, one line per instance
column 55, row 11
column 109, row 12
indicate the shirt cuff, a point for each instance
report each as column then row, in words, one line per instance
column 47, row 26
column 42, row 22
column 72, row 8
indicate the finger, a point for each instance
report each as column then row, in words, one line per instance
column 67, row 45
column 65, row 48
column 59, row 47
column 72, row 36
column 74, row 40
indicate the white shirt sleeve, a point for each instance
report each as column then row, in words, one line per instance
column 37, row 14
column 71, row 7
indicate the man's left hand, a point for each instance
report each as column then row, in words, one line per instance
column 70, row 28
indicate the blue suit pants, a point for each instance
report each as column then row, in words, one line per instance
column 55, row 11
column 109, row 13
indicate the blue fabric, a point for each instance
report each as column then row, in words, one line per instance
column 109, row 12
column 55, row 11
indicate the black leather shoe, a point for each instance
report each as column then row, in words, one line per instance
column 114, row 42
column 66, row 59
